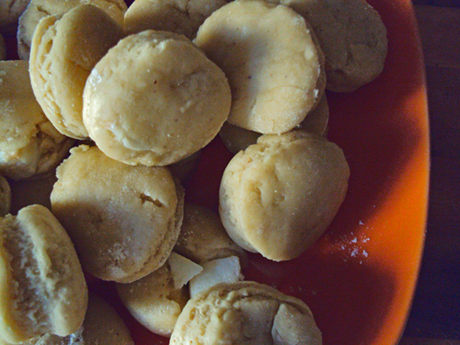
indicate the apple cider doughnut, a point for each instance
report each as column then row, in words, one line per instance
column 245, row 313
column 124, row 220
column 39, row 9
column 42, row 287
column 155, row 99
column 278, row 196
column 29, row 144
column 64, row 51
column 275, row 68
column 179, row 16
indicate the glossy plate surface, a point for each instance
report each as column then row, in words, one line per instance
column 359, row 278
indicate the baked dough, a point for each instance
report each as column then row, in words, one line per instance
column 65, row 48
column 179, row 16
column 39, row 9
column 203, row 237
column 352, row 37
column 245, row 313
column 154, row 99
column 42, row 287
column 102, row 326
column 279, row 196
column 154, row 301
column 269, row 55
column 10, row 11
column 2, row 48
column 184, row 169
column 236, row 138
column 29, row 143
column 5, row 196
column 124, row 220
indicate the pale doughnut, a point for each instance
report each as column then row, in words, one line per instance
column 352, row 36
column 39, row 9
column 179, row 16
column 29, row 143
column 279, row 196
column 124, row 220
column 64, row 51
column 42, row 287
column 245, row 313
column 154, row 99
column 269, row 55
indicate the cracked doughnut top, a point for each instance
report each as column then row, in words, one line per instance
column 39, row 9
column 279, row 195
column 123, row 220
column 245, row 313
column 154, row 99
column 64, row 51
column 29, row 144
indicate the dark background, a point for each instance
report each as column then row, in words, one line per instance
column 435, row 314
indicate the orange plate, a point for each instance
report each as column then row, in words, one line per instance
column 359, row 278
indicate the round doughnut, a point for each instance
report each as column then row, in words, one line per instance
column 29, row 143
column 203, row 237
column 153, row 300
column 42, row 287
column 102, row 326
column 269, row 55
column 184, row 169
column 5, row 196
column 10, row 11
column 352, row 37
column 154, row 99
column 245, row 313
column 124, row 220
column 65, row 48
column 279, row 196
column 39, row 9
column 179, row 16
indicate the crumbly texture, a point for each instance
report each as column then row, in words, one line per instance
column 39, row 9
column 102, row 326
column 155, row 99
column 124, row 220
column 29, row 143
column 64, row 51
column 203, row 237
column 42, row 287
column 179, row 16
column 274, row 67
column 279, row 196
column 236, row 138
column 153, row 300
column 10, row 11
column 352, row 37
column 245, row 313
column 2, row 48
column 5, row 196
